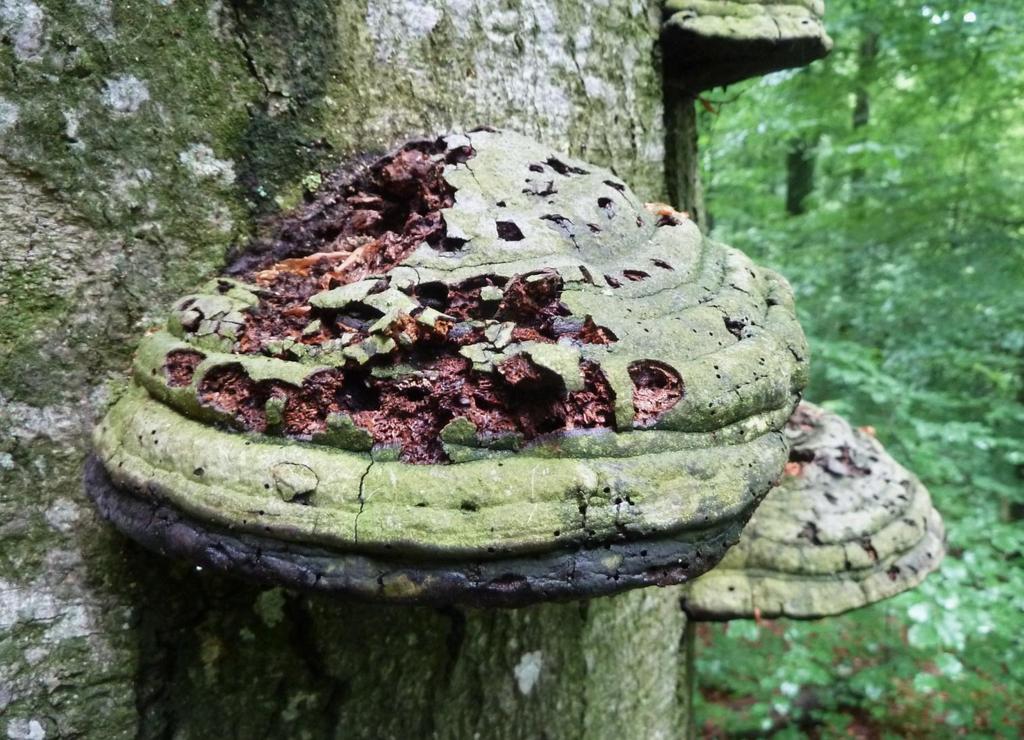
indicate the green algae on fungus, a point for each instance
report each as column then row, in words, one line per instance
column 846, row 527
column 713, row 43
column 481, row 351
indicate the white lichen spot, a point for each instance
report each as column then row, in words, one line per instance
column 35, row 655
column 6, row 461
column 216, row 19
column 527, row 671
column 200, row 160
column 598, row 88
column 22, row 22
column 63, row 514
column 72, row 120
column 25, row 729
column 128, row 187
column 8, row 115
column 125, row 94
column 58, row 423
column 393, row 25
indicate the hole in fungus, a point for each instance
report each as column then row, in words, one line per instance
column 736, row 326
column 508, row 231
column 656, row 389
column 606, row 205
column 613, row 282
column 801, row 454
column 843, row 464
column 452, row 244
column 636, row 275
column 662, row 264
column 459, row 154
column 615, row 185
column 229, row 389
column 433, row 295
column 810, row 533
column 562, row 168
column 180, row 365
column 668, row 218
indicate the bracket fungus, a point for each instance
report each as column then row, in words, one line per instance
column 714, row 43
column 473, row 371
column 846, row 527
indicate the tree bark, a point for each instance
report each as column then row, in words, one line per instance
column 138, row 144
column 867, row 58
column 801, row 159
column 682, row 163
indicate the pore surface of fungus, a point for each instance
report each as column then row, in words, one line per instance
column 474, row 370
column 847, row 526
column 711, row 43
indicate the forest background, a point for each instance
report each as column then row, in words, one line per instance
column 887, row 183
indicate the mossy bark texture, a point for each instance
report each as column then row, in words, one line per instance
column 138, row 143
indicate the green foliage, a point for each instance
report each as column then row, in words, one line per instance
column 908, row 264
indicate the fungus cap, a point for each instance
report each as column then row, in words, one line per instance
column 846, row 527
column 712, row 43
column 473, row 371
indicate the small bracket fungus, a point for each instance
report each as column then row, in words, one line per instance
column 846, row 527
column 473, row 371
column 713, row 43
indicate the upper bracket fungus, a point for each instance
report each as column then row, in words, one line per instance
column 847, row 526
column 713, row 43
column 473, row 371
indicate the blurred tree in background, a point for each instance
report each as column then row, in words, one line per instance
column 887, row 183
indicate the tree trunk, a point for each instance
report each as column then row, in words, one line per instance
column 682, row 163
column 801, row 159
column 867, row 58
column 138, row 143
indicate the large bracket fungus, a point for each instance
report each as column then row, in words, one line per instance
column 848, row 526
column 474, row 371
column 713, row 43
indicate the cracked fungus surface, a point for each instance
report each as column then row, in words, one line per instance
column 474, row 347
column 846, row 527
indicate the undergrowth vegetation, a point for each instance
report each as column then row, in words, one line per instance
column 887, row 183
